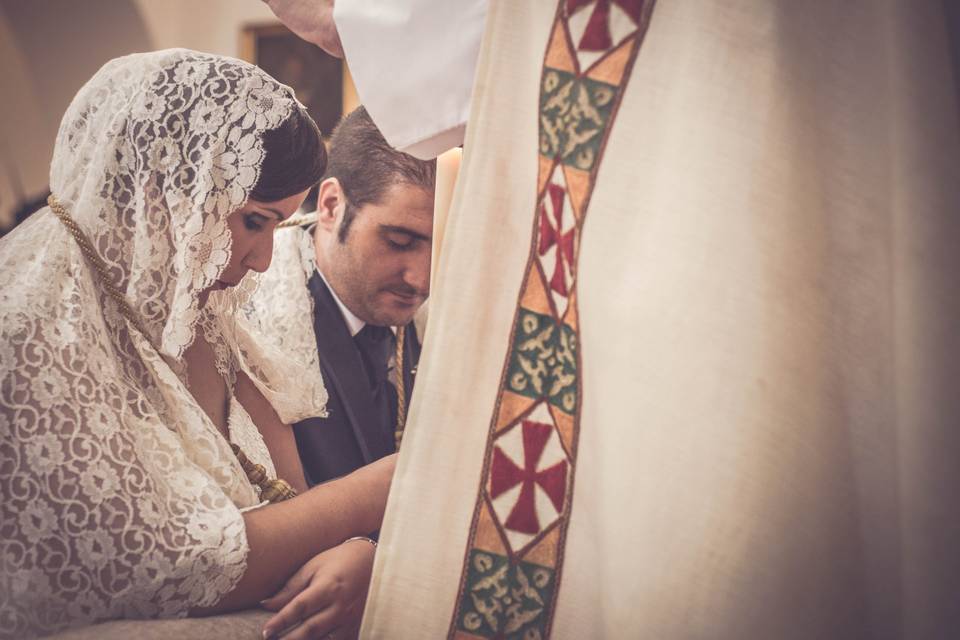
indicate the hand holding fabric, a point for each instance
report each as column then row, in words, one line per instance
column 327, row 594
column 312, row 20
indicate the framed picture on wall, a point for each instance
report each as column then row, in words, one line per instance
column 322, row 83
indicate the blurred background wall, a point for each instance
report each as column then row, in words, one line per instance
column 49, row 48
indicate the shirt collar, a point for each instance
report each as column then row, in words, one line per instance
column 354, row 324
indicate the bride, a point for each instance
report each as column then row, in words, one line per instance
column 131, row 467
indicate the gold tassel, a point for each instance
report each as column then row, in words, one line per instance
column 275, row 490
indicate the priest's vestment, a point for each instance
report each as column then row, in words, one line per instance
column 692, row 357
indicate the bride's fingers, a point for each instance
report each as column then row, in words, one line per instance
column 313, row 604
column 321, row 625
column 296, row 584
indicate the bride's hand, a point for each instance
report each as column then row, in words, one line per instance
column 326, row 596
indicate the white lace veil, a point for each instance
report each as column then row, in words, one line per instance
column 119, row 496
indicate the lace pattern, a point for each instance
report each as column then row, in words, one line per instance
column 278, row 319
column 118, row 496
column 244, row 434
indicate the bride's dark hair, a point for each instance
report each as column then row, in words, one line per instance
column 295, row 158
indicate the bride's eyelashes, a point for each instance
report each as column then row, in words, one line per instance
column 254, row 221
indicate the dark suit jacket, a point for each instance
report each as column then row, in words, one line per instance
column 351, row 435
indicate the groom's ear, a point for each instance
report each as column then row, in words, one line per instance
column 330, row 204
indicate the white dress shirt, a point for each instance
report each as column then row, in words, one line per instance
column 354, row 324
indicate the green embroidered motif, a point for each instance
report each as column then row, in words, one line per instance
column 574, row 113
column 543, row 363
column 505, row 601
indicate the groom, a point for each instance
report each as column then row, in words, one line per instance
column 372, row 245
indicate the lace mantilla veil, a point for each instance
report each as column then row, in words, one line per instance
column 119, row 497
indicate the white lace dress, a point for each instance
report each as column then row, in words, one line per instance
column 118, row 496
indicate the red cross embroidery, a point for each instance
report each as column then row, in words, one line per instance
column 596, row 37
column 504, row 475
column 553, row 235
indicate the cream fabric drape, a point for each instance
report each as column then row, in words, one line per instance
column 767, row 287
column 413, row 63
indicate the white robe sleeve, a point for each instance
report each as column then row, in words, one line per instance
column 413, row 63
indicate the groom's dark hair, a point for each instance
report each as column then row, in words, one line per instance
column 294, row 158
column 366, row 165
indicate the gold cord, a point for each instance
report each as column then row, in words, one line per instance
column 401, row 390
column 99, row 266
column 298, row 221
column 270, row 490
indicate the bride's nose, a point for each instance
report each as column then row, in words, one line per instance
column 260, row 254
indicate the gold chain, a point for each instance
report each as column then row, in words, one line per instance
column 270, row 490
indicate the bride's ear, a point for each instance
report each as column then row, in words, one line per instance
column 330, row 204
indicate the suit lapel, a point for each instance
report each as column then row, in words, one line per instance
column 341, row 362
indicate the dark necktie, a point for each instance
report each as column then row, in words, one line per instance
column 376, row 345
